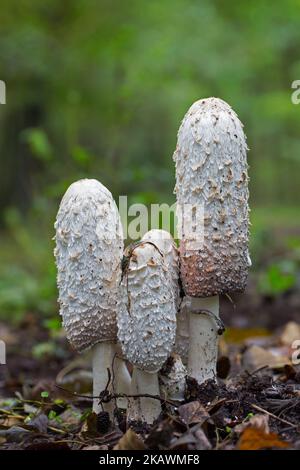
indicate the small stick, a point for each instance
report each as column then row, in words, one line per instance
column 59, row 431
column 118, row 395
column 259, row 369
column 11, row 414
column 63, row 441
column 258, row 408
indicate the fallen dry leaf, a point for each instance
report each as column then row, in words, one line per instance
column 12, row 420
column 70, row 418
column 239, row 335
column 255, row 439
column 160, row 435
column 290, row 333
column 259, row 421
column 202, row 441
column 193, row 439
column 15, row 434
column 130, row 441
column 256, row 357
column 39, row 423
column 89, row 427
column 193, row 413
column 186, row 442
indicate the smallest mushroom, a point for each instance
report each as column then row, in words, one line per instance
column 166, row 244
column 146, row 323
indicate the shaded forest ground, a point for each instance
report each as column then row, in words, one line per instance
column 255, row 405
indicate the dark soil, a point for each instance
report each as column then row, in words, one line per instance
column 36, row 414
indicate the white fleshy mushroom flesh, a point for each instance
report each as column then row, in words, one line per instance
column 89, row 249
column 211, row 176
column 146, row 323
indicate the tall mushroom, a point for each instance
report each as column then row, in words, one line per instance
column 211, row 175
column 146, row 322
column 89, row 249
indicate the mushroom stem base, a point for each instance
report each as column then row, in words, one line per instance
column 203, row 347
column 145, row 409
column 122, row 382
column 103, row 354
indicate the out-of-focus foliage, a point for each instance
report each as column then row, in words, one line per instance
column 98, row 89
column 278, row 278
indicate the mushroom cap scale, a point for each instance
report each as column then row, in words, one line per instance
column 211, row 172
column 89, row 248
column 147, row 314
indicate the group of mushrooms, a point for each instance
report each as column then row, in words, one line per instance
column 155, row 302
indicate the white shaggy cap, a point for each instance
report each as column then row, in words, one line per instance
column 89, row 249
column 147, row 317
column 166, row 244
column 172, row 378
column 211, row 171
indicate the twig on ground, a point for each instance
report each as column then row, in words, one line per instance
column 250, row 374
column 119, row 395
column 258, row 408
column 72, row 441
column 59, row 431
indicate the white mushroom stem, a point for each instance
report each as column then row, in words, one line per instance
column 134, row 404
column 147, row 322
column 105, row 357
column 146, row 383
column 172, row 378
column 203, row 343
column 122, row 382
column 103, row 354
column 182, row 331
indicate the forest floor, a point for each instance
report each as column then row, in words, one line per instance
column 45, row 386
column 255, row 405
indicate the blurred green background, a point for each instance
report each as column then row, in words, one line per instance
column 98, row 89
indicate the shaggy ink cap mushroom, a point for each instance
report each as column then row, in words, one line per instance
column 166, row 244
column 146, row 324
column 211, row 171
column 147, row 316
column 212, row 181
column 89, row 248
